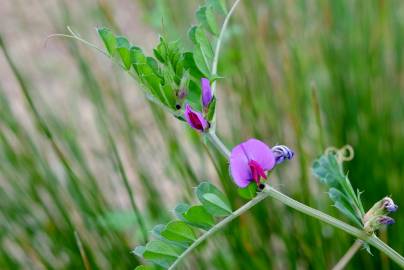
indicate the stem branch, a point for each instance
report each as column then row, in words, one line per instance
column 348, row 255
column 218, row 144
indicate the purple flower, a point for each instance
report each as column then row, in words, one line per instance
column 281, row 153
column 206, row 92
column 195, row 119
column 385, row 220
column 389, row 204
column 249, row 161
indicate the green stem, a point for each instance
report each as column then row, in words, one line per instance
column 218, row 144
column 386, row 249
column 219, row 42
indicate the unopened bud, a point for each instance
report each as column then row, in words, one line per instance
column 389, row 205
column 376, row 223
column 380, row 208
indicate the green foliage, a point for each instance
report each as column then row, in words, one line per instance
column 272, row 54
column 160, row 78
column 203, row 52
column 213, row 200
column 178, row 231
column 206, row 18
column 170, row 70
column 198, row 216
column 145, row 267
column 123, row 48
column 109, row 40
column 330, row 172
column 177, row 235
column 218, row 5
column 248, row 192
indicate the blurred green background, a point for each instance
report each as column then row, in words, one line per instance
column 81, row 150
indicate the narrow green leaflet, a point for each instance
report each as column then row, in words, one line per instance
column 139, row 250
column 328, row 171
column 178, row 231
column 215, row 204
column 180, row 210
column 178, row 246
column 202, row 39
column 211, row 20
column 201, row 61
column 160, row 253
column 109, row 40
column 213, row 200
column 203, row 52
column 153, row 65
column 342, row 203
column 123, row 48
column 219, row 6
column 197, row 216
column 207, row 19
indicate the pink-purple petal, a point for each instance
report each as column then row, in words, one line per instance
column 206, row 92
column 195, row 119
column 242, row 154
column 260, row 152
column 239, row 169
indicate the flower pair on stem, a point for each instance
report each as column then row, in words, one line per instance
column 197, row 120
column 377, row 216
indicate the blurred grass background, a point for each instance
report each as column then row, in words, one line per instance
column 81, row 150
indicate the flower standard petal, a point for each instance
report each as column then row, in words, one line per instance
column 260, row 152
column 195, row 119
column 206, row 92
column 239, row 168
column 249, row 160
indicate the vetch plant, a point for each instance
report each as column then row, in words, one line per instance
column 183, row 83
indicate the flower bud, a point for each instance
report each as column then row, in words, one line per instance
column 376, row 223
column 195, row 119
column 377, row 215
column 389, row 205
column 281, row 153
column 206, row 92
column 385, row 220
column 381, row 208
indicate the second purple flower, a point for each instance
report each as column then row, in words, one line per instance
column 197, row 119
